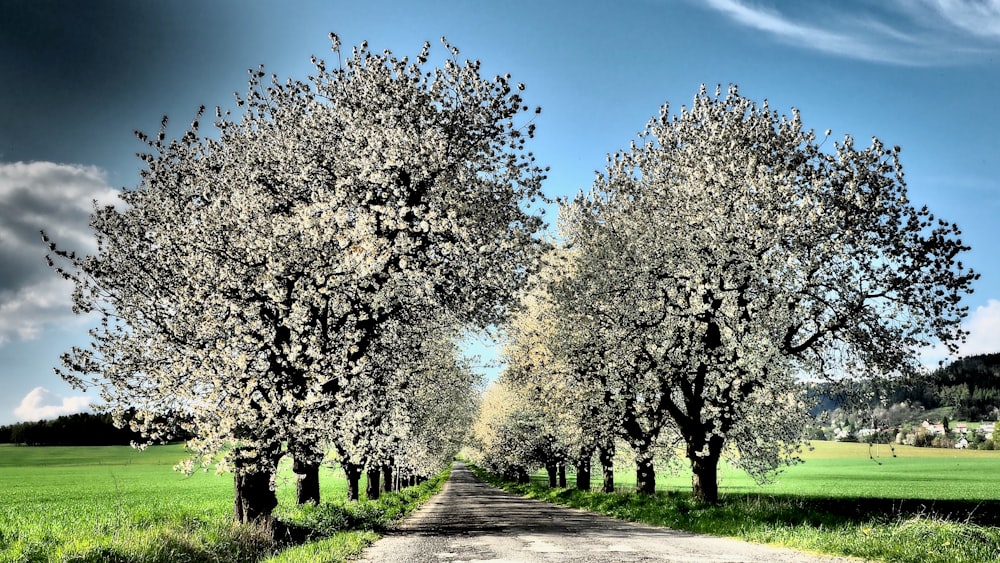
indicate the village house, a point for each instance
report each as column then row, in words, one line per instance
column 933, row 429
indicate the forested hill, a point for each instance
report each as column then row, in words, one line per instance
column 978, row 372
column 969, row 386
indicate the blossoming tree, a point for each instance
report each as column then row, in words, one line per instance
column 245, row 282
column 725, row 253
column 548, row 353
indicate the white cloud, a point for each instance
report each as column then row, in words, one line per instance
column 56, row 198
column 979, row 17
column 40, row 404
column 904, row 32
column 983, row 325
column 25, row 312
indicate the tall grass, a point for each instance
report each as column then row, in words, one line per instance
column 117, row 504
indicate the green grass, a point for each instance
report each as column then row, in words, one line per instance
column 118, row 504
column 925, row 505
column 845, row 470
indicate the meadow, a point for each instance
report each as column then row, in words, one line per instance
column 851, row 470
column 119, row 504
column 923, row 505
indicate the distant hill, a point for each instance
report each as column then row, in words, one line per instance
column 980, row 371
column 970, row 386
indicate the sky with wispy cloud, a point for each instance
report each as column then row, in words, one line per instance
column 80, row 77
column 898, row 32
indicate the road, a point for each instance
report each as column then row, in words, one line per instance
column 470, row 521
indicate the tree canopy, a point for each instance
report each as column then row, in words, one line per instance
column 260, row 275
column 725, row 254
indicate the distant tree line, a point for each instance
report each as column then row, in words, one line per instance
column 82, row 429
column 971, row 386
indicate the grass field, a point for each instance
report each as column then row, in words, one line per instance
column 116, row 503
column 835, row 469
column 924, row 505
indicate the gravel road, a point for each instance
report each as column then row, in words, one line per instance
column 470, row 521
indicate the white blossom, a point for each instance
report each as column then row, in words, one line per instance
column 252, row 284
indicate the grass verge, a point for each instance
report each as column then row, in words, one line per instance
column 116, row 504
column 852, row 527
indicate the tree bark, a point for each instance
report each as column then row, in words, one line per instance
column 387, row 478
column 583, row 470
column 608, row 470
column 550, row 468
column 306, row 481
column 353, row 473
column 254, row 498
column 645, row 474
column 562, row 475
column 705, row 477
column 306, row 460
column 373, row 489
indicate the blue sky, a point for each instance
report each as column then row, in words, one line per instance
column 80, row 77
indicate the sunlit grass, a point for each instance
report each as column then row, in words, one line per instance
column 924, row 505
column 846, row 470
column 118, row 504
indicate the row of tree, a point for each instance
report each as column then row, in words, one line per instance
column 715, row 264
column 294, row 282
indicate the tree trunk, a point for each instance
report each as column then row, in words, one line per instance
column 373, row 489
column 306, row 459
column 645, row 475
column 353, row 473
column 254, row 498
column 562, row 475
column 583, row 470
column 608, row 470
column 387, row 478
column 550, row 468
column 705, row 478
column 306, row 481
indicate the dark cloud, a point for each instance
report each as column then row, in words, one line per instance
column 66, row 66
column 33, row 197
column 79, row 77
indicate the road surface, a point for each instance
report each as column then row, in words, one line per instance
column 470, row 521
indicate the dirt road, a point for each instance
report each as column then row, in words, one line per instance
column 470, row 521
